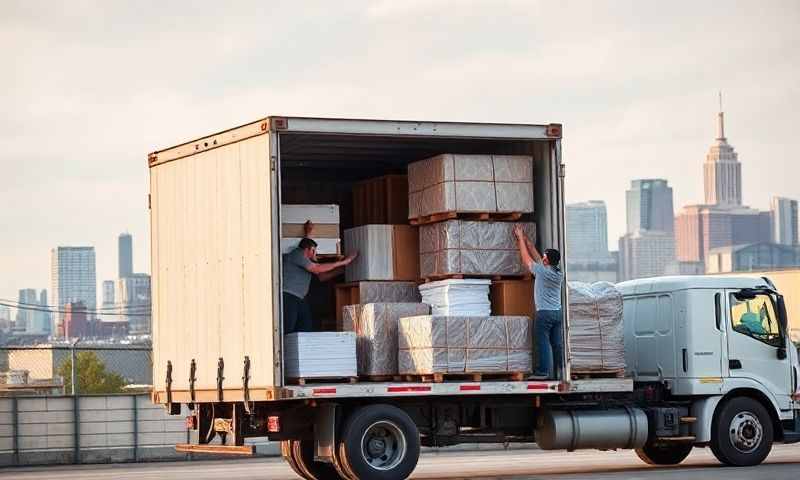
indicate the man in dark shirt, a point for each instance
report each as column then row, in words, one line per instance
column 298, row 266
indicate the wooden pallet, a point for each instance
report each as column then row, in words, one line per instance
column 380, row 378
column 459, row 276
column 487, row 216
column 306, row 380
column 469, row 377
column 599, row 373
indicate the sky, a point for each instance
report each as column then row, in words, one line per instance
column 89, row 88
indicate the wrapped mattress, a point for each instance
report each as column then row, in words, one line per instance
column 375, row 325
column 596, row 331
column 461, row 344
column 470, row 183
column 471, row 248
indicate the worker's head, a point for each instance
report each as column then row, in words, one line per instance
column 309, row 248
column 551, row 257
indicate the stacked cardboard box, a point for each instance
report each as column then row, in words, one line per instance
column 596, row 331
column 470, row 183
column 326, row 227
column 455, row 344
column 375, row 325
column 374, row 292
column 385, row 252
column 320, row 354
column 381, row 200
column 512, row 297
column 471, row 248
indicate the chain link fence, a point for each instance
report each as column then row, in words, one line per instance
column 75, row 369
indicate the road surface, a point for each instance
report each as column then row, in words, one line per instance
column 783, row 463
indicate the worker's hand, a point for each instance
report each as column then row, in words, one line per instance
column 308, row 228
column 349, row 259
column 518, row 233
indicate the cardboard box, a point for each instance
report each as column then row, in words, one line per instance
column 512, row 297
column 385, row 252
column 373, row 292
column 381, row 201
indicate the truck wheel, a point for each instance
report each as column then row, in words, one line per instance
column 303, row 453
column 380, row 442
column 741, row 432
column 664, row 454
column 286, row 453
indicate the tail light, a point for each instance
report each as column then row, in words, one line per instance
column 191, row 422
column 274, row 424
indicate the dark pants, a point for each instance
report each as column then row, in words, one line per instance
column 549, row 337
column 296, row 314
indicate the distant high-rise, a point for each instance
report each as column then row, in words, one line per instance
column 722, row 171
column 784, row 221
column 649, row 206
column 587, row 231
column 5, row 318
column 43, row 318
column 108, row 293
column 26, row 314
column 125, row 252
column 645, row 254
column 73, row 279
column 133, row 298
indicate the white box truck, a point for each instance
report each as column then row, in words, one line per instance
column 700, row 371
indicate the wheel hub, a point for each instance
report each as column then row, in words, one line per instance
column 746, row 432
column 377, row 447
column 383, row 445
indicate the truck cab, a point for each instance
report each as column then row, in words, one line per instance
column 720, row 343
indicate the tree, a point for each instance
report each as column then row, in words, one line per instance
column 92, row 375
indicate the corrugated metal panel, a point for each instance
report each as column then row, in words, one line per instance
column 212, row 266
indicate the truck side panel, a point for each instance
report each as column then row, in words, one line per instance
column 212, row 267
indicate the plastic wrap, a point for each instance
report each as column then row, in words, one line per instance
column 385, row 252
column 461, row 344
column 470, row 183
column 320, row 354
column 466, row 297
column 471, row 248
column 375, row 325
column 388, row 292
column 596, row 331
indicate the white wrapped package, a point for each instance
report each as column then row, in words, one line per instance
column 470, row 183
column 375, row 325
column 471, row 248
column 325, row 246
column 462, row 344
column 468, row 296
column 385, row 252
column 320, row 354
column 596, row 331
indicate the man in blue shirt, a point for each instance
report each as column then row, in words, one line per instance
column 298, row 266
column 548, row 330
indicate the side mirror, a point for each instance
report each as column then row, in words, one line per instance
column 781, row 353
column 783, row 321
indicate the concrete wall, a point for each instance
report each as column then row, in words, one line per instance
column 111, row 428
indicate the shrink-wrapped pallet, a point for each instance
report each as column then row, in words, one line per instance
column 470, row 183
column 471, row 248
column 375, row 325
column 385, row 252
column 466, row 297
column 460, row 344
column 374, row 292
column 320, row 354
column 596, row 331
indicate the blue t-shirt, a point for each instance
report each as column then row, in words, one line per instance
column 547, row 286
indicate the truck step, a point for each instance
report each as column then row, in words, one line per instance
column 216, row 449
column 686, row 439
column 688, row 419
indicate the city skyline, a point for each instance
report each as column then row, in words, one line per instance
column 626, row 112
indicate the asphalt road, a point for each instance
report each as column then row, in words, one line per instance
column 783, row 463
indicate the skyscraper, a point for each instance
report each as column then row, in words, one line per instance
column 587, row 231
column 722, row 171
column 73, row 279
column 28, row 301
column 649, row 206
column 784, row 221
column 133, row 298
column 108, row 294
column 645, row 254
column 125, row 252
column 42, row 318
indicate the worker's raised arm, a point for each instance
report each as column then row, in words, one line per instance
column 537, row 257
column 522, row 246
column 321, row 268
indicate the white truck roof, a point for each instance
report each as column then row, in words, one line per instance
column 675, row 283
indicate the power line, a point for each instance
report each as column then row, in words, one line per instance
column 94, row 312
column 143, row 305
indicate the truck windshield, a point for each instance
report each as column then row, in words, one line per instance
column 756, row 318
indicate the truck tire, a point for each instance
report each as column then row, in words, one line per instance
column 380, row 442
column 288, row 456
column 664, row 454
column 741, row 432
column 303, row 454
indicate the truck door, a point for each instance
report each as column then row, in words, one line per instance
column 754, row 339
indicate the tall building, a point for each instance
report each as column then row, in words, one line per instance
column 701, row 228
column 784, row 221
column 722, row 172
column 76, row 324
column 587, row 231
column 649, row 205
column 26, row 314
column 133, row 299
column 125, row 253
column 5, row 318
column 108, row 294
column 73, row 279
column 755, row 257
column 43, row 318
column 645, row 254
